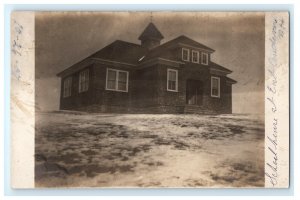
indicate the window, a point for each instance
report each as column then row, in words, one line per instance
column 172, row 80
column 122, row 81
column 111, row 80
column 84, row 81
column 204, row 58
column 117, row 80
column 67, row 87
column 185, row 54
column 195, row 56
column 215, row 87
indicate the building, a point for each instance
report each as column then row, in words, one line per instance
column 174, row 77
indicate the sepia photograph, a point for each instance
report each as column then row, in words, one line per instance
column 149, row 99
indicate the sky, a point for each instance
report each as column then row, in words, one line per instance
column 65, row 38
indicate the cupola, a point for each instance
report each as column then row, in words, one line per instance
column 150, row 37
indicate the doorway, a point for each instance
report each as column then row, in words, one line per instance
column 194, row 92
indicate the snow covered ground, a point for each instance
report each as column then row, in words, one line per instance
column 76, row 149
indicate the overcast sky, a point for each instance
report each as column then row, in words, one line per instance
column 64, row 38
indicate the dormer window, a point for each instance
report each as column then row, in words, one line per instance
column 195, row 56
column 185, row 54
column 204, row 58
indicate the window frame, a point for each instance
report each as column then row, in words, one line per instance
column 211, row 87
column 86, row 80
column 176, row 82
column 69, row 89
column 194, row 51
column 202, row 56
column 117, row 80
column 188, row 54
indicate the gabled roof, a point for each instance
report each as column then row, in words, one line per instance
column 162, row 49
column 135, row 54
column 121, row 51
column 151, row 32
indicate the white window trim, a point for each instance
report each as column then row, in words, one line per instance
column 202, row 55
column 211, row 87
column 176, row 87
column 117, row 80
column 64, row 87
column 188, row 53
column 193, row 51
column 88, row 81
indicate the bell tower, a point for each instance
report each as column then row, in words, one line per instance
column 150, row 37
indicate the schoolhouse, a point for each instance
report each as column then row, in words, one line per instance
column 177, row 76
